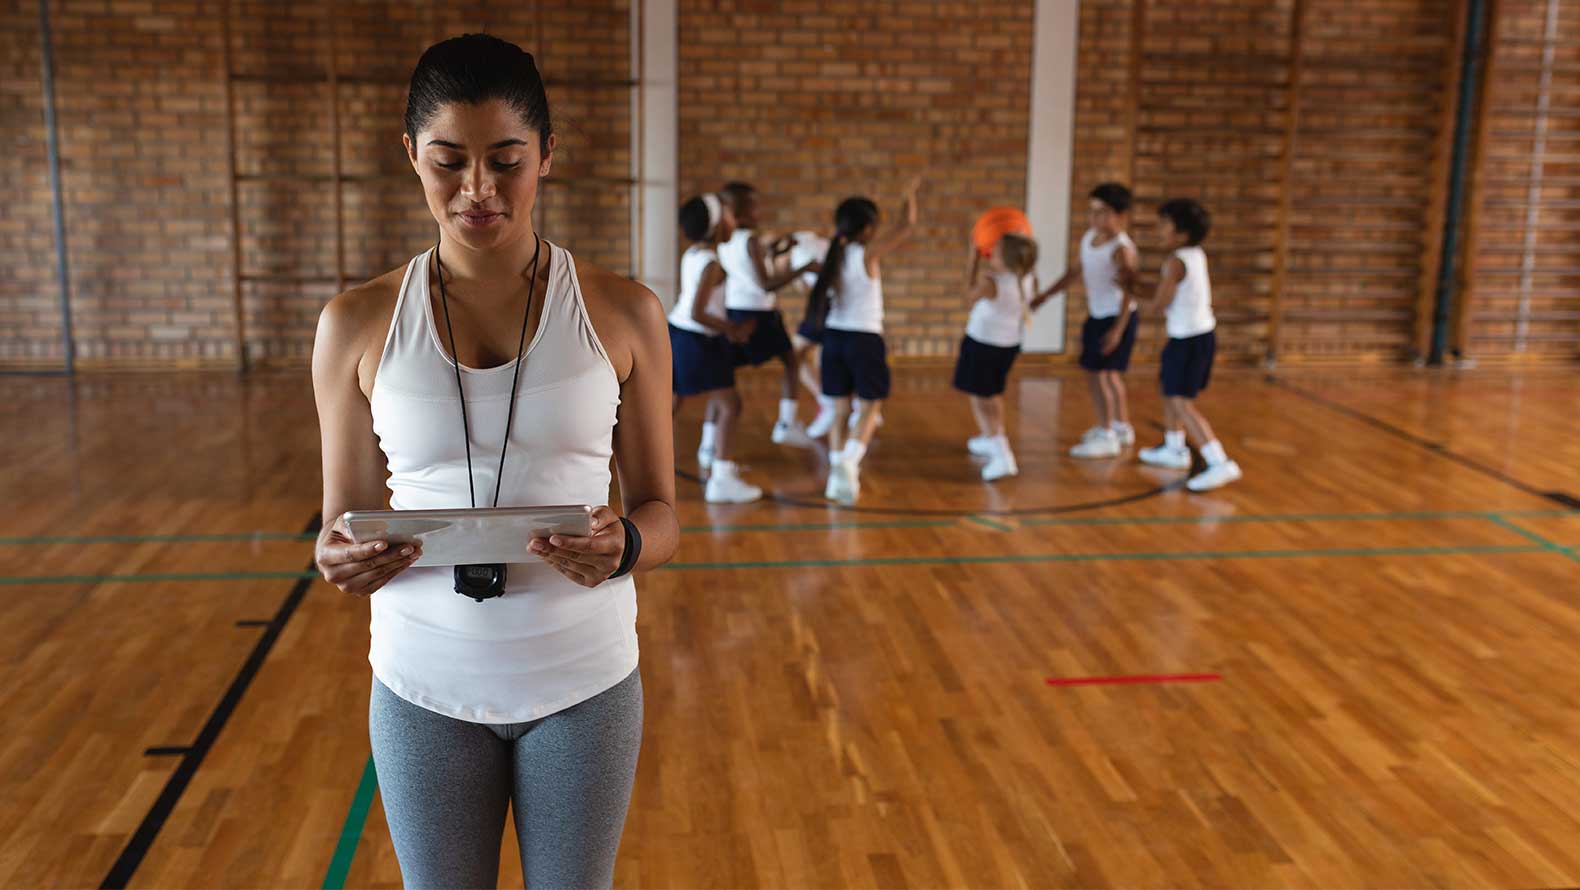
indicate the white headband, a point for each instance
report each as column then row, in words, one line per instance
column 715, row 210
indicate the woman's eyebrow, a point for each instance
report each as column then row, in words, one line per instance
column 503, row 143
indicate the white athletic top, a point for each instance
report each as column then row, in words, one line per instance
column 1190, row 314
column 1100, row 271
column 856, row 300
column 693, row 263
column 1000, row 320
column 548, row 643
column 741, row 290
column 809, row 247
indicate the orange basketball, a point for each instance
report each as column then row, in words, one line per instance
column 995, row 224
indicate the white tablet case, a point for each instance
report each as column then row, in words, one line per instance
column 464, row 537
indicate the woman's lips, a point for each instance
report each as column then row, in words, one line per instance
column 480, row 217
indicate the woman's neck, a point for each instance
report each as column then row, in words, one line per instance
column 485, row 270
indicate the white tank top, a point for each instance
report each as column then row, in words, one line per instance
column 741, row 290
column 1000, row 320
column 693, row 263
column 809, row 247
column 856, row 300
column 1190, row 314
column 1100, row 272
column 548, row 643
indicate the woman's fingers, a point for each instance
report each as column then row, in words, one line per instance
column 340, row 564
column 371, row 580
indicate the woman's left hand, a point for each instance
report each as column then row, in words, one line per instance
column 590, row 560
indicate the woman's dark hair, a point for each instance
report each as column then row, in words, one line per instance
column 850, row 218
column 475, row 68
column 694, row 219
column 1116, row 196
column 1188, row 217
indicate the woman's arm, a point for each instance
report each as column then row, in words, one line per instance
column 354, row 466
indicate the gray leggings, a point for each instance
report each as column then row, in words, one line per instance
column 446, row 782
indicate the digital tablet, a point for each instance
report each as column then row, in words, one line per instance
column 463, row 537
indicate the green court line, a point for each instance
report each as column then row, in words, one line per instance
column 910, row 523
column 1426, row 515
column 136, row 579
column 351, row 832
column 1160, row 556
column 996, row 526
column 814, row 526
column 1106, row 557
column 1529, row 535
column 139, row 539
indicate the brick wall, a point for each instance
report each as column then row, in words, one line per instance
column 1201, row 99
column 1522, row 288
column 140, row 88
column 817, row 100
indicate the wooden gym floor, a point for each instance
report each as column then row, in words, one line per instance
column 1380, row 621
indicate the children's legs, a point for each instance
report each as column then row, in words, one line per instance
column 787, row 385
column 982, row 410
column 806, row 362
column 1094, row 384
column 1173, row 420
column 1196, row 425
column 866, row 421
column 836, row 433
column 1118, row 403
column 725, row 406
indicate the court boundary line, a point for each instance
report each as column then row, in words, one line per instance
column 735, row 528
column 351, row 832
column 141, row 840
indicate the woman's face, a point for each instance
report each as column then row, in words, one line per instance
column 480, row 166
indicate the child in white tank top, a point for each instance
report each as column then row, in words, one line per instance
column 701, row 339
column 1001, row 295
column 846, row 303
column 1185, row 295
column 1107, row 267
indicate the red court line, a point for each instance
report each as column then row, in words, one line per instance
column 1138, row 680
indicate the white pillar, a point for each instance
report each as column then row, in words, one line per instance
column 655, row 260
column 1048, row 157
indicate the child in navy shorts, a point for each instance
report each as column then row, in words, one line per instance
column 1000, row 294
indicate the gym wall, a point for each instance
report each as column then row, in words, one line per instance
column 1317, row 131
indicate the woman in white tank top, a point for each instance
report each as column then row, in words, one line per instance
column 464, row 689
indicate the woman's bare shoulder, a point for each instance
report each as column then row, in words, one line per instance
column 357, row 318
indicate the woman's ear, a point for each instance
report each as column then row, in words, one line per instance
column 411, row 150
column 548, row 156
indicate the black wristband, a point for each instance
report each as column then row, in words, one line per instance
column 633, row 548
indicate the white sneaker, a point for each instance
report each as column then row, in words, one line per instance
column 1166, row 457
column 1214, row 477
column 1126, row 434
column 821, row 424
column 981, row 446
column 704, row 460
column 1093, row 433
column 726, row 486
column 1002, row 464
column 1103, row 444
column 786, row 433
column 844, row 482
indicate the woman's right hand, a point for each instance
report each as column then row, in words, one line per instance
column 360, row 569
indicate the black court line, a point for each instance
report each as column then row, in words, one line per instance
column 1437, row 448
column 137, row 846
column 169, row 751
column 960, row 514
column 252, row 622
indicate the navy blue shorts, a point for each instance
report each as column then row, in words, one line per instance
column 769, row 339
column 1092, row 334
column 702, row 363
column 808, row 332
column 855, row 361
column 983, row 369
column 1187, row 365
